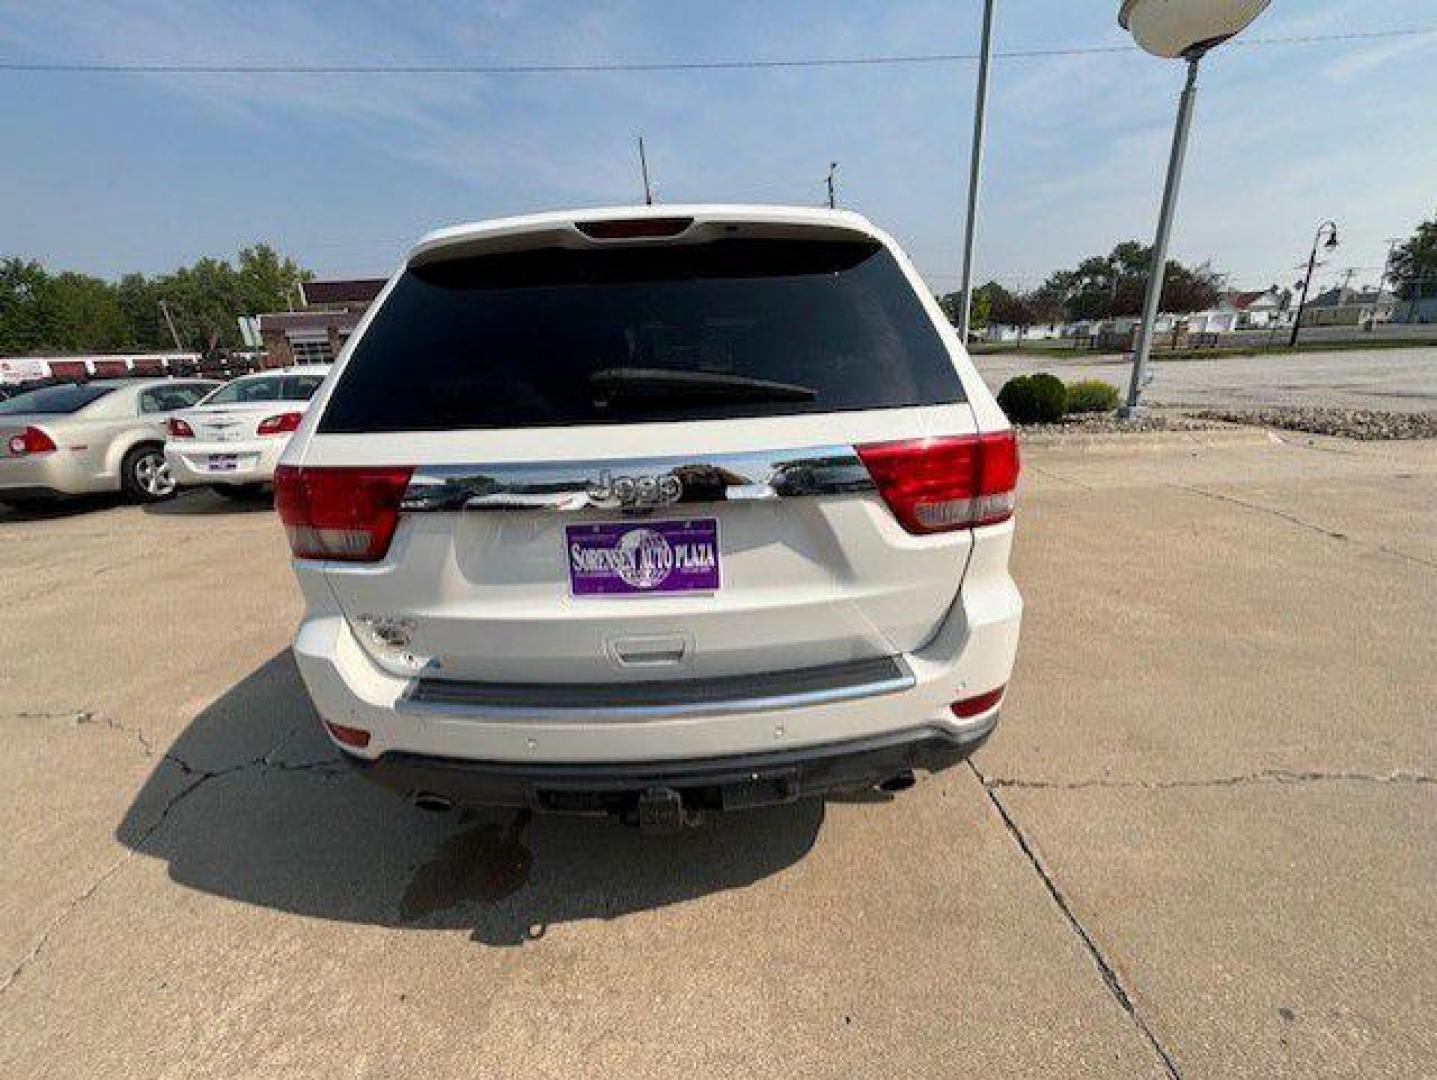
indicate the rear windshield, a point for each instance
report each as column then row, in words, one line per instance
column 268, row 388
column 54, row 400
column 242, row 391
column 683, row 332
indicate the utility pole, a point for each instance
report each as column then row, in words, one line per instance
column 975, row 172
column 1392, row 243
column 644, row 169
column 170, row 322
column 832, row 204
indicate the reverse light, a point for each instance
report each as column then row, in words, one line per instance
column 31, row 441
column 348, row 514
column 279, row 425
column 940, row 484
column 348, row 736
column 968, row 708
column 179, row 429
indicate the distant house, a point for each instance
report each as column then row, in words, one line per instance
column 1349, row 307
column 332, row 309
column 1258, row 309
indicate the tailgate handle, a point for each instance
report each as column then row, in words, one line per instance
column 650, row 651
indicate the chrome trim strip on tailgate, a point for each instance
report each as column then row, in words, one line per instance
column 637, row 483
column 656, row 700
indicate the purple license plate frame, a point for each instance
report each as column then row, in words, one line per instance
column 643, row 558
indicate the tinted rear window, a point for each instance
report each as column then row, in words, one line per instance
column 534, row 338
column 243, row 391
column 54, row 400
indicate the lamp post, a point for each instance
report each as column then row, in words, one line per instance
column 1187, row 30
column 1329, row 227
column 975, row 172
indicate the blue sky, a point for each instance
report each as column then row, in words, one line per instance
column 108, row 173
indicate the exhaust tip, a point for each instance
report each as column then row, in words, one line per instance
column 434, row 804
column 898, row 782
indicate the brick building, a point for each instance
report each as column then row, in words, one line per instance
column 315, row 334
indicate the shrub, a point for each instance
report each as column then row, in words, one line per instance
column 1033, row 399
column 1090, row 396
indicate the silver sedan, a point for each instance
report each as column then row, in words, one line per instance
column 81, row 438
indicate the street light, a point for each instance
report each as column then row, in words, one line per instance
column 1329, row 227
column 975, row 173
column 1175, row 29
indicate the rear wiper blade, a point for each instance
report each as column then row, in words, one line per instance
column 697, row 384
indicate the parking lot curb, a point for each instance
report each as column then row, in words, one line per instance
column 1149, row 440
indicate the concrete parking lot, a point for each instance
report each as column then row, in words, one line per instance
column 1201, row 843
column 1397, row 380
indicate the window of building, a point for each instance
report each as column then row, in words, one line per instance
column 312, row 352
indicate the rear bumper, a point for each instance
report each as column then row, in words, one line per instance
column 972, row 653
column 59, row 472
column 724, row 783
column 255, row 461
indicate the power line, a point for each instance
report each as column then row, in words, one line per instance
column 456, row 68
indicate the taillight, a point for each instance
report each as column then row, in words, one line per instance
column 953, row 482
column 977, row 706
column 339, row 513
column 278, row 425
column 31, row 441
column 178, row 429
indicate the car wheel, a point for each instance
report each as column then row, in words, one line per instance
column 238, row 492
column 145, row 477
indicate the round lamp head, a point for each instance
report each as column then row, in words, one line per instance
column 1174, row 28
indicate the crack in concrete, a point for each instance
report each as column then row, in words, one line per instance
column 1261, row 776
column 87, row 717
column 264, row 763
column 1095, row 954
column 1322, row 530
column 116, row 725
column 1058, row 476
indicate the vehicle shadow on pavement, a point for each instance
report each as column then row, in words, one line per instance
column 252, row 803
column 51, row 509
column 199, row 502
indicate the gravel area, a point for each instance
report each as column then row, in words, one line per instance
column 1111, row 424
column 1367, row 424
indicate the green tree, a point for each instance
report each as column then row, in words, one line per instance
column 24, row 292
column 83, row 314
column 71, row 312
column 1414, row 264
column 1105, row 286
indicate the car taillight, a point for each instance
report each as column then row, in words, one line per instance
column 339, row 513
column 278, row 425
column 976, row 706
column 31, row 441
column 940, row 484
column 178, row 429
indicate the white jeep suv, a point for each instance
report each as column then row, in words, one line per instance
column 653, row 511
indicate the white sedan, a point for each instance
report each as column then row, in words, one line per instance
column 231, row 441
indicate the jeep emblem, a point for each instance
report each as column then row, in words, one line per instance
column 661, row 490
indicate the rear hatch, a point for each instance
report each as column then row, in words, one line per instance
column 641, row 461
